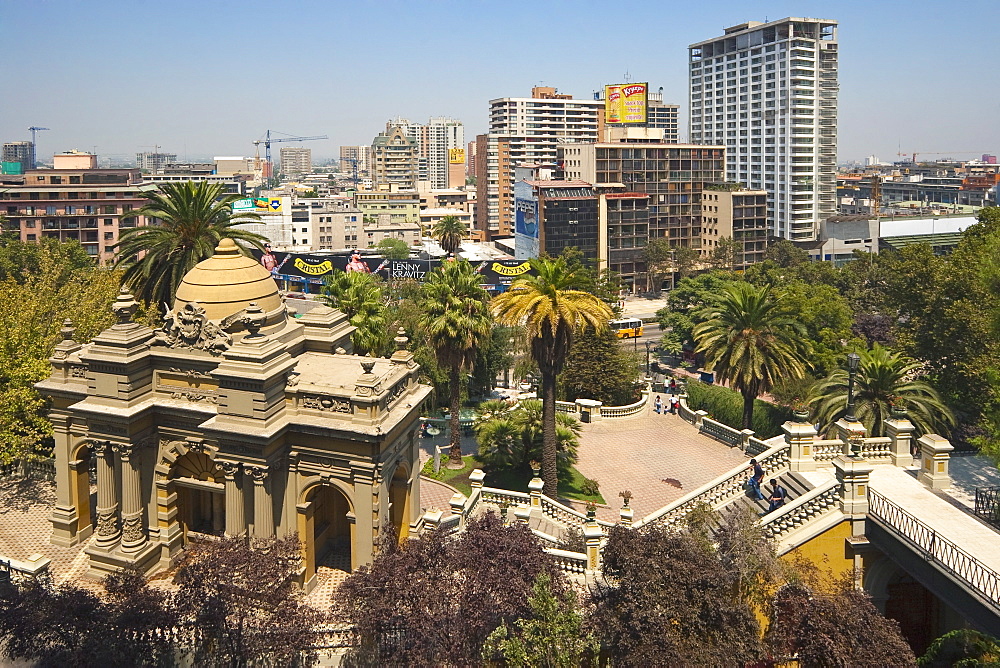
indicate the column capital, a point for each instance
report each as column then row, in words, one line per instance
column 258, row 473
column 101, row 447
column 229, row 469
column 123, row 450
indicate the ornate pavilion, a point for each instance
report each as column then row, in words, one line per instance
column 235, row 417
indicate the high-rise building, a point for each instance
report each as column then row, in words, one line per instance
column 768, row 93
column 526, row 130
column 440, row 147
column 296, row 160
column 153, row 162
column 394, row 160
column 20, row 151
column 351, row 154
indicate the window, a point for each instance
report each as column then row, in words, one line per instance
column 53, row 179
column 32, row 237
column 108, row 221
column 108, row 236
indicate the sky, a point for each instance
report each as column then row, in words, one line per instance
column 206, row 78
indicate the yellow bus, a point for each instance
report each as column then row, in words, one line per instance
column 626, row 328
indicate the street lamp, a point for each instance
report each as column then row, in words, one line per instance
column 648, row 365
column 853, row 360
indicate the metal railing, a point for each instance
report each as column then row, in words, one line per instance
column 988, row 504
column 950, row 558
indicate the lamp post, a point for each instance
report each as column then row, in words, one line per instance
column 853, row 360
column 648, row 365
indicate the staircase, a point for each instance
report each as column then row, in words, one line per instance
column 794, row 483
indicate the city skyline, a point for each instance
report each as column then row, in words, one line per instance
column 221, row 74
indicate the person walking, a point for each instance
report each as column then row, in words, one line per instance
column 673, row 386
column 675, row 404
column 657, row 405
column 778, row 496
column 756, row 478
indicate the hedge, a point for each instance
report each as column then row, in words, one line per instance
column 726, row 406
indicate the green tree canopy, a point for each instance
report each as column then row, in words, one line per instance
column 449, row 231
column 598, row 367
column 186, row 221
column 360, row 297
column 393, row 249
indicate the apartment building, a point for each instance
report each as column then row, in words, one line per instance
column 440, row 144
column 738, row 214
column 349, row 155
column 399, row 206
column 21, row 152
column 394, row 160
column 152, row 162
column 768, row 93
column 70, row 203
column 296, row 160
column 524, row 130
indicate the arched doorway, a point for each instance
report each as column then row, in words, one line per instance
column 201, row 503
column 916, row 610
column 326, row 529
column 81, row 465
column 399, row 498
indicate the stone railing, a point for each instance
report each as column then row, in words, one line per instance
column 721, row 432
column 504, row 497
column 567, row 516
column 568, row 562
column 16, row 572
column 566, row 407
column 35, row 469
column 685, row 411
column 625, row 411
column 814, row 503
column 877, row 450
column 825, row 450
column 720, row 491
column 755, row 446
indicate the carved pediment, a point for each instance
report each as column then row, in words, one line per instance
column 190, row 328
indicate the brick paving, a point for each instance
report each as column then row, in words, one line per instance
column 640, row 452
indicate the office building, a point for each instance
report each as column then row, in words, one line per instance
column 295, row 160
column 768, row 93
column 526, row 130
column 394, row 160
column 153, row 162
column 22, row 152
column 351, row 156
column 440, row 145
column 736, row 213
column 75, row 201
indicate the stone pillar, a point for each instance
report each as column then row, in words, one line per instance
column 236, row 524
column 800, row 437
column 476, row 479
column 535, row 487
column 457, row 504
column 108, row 530
column 698, row 417
column 901, row 433
column 592, row 534
column 745, row 435
column 522, row 514
column 934, row 458
column 589, row 409
column 848, row 430
column 853, row 474
column 625, row 516
column 134, row 531
column 263, row 517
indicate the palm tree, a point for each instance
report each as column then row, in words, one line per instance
column 751, row 340
column 512, row 437
column 449, row 231
column 884, row 378
column 551, row 309
column 359, row 296
column 187, row 220
column 455, row 320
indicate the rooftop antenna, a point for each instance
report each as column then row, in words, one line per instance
column 626, row 76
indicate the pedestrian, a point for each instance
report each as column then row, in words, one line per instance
column 778, row 496
column 657, row 405
column 675, row 404
column 673, row 386
column 756, row 478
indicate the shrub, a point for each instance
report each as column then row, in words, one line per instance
column 590, row 487
column 726, row 406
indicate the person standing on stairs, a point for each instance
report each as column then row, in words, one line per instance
column 657, row 405
column 756, row 478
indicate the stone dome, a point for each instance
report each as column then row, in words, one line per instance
column 226, row 283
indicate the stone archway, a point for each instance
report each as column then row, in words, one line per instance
column 399, row 502
column 326, row 523
column 185, row 466
column 81, row 458
column 201, row 504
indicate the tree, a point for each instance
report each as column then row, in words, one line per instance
column 687, row 301
column 726, row 254
column 786, row 254
column 65, row 625
column 41, row 285
column 836, row 628
column 669, row 599
column 240, row 600
column 187, row 221
column 598, row 367
column 456, row 321
column 967, row 648
column 393, row 249
column 551, row 637
column 450, row 231
column 360, row 297
column 513, row 438
column 685, row 260
column 552, row 311
column 883, row 378
column 448, row 593
column 750, row 339
column 495, row 354
column 658, row 255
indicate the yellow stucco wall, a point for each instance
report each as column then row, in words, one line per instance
column 828, row 551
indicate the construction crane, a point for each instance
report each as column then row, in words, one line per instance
column 267, row 140
column 33, row 130
column 913, row 156
column 354, row 164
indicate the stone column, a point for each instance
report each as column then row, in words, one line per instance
column 625, row 516
column 535, row 487
column 108, row 530
column 593, row 535
column 800, row 437
column 934, row 458
column 848, row 430
column 853, row 474
column 236, row 524
column 263, row 517
column 901, row 433
column 133, row 532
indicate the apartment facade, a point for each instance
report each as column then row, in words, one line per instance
column 526, row 130
column 85, row 205
column 22, row 152
column 738, row 214
column 768, row 93
column 296, row 160
column 349, row 155
column 394, row 160
column 148, row 161
column 440, row 144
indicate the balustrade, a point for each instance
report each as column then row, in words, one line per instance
column 569, row 562
column 815, row 503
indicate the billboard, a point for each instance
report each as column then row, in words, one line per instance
column 626, row 104
column 456, row 156
column 499, row 274
column 526, row 222
column 258, row 205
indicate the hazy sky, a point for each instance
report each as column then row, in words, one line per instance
column 207, row 78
